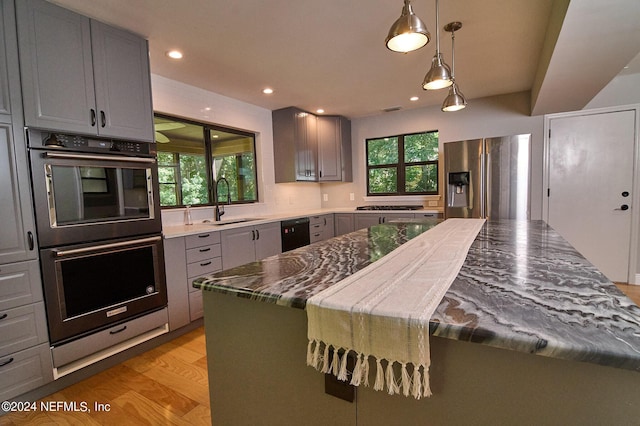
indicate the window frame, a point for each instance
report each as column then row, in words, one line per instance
column 400, row 167
column 208, row 154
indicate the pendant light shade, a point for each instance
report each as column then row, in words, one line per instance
column 408, row 32
column 455, row 100
column 439, row 76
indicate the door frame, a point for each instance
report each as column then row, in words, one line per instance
column 633, row 274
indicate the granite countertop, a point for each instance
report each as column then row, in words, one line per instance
column 522, row 287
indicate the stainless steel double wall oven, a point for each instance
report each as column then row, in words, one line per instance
column 99, row 231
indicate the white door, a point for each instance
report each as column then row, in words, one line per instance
column 591, row 159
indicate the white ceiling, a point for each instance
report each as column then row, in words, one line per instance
column 330, row 53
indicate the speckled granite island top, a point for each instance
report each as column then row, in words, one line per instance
column 522, row 287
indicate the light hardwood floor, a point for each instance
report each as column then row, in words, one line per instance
column 166, row 386
column 633, row 291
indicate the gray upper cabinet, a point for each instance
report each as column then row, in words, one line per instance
column 82, row 76
column 16, row 233
column 310, row 148
column 334, row 149
column 295, row 145
column 5, row 108
column 17, row 239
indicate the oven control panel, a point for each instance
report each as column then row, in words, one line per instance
column 89, row 144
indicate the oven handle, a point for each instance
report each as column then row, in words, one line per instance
column 99, row 157
column 61, row 253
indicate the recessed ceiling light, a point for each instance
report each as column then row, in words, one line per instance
column 267, row 91
column 414, row 98
column 174, row 54
column 320, row 111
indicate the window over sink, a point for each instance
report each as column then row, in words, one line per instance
column 403, row 164
column 192, row 156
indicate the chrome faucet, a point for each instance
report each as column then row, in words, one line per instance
column 219, row 212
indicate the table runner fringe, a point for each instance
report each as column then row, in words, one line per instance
column 415, row 384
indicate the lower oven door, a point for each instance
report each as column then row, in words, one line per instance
column 90, row 287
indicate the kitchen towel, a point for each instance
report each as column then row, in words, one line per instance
column 381, row 313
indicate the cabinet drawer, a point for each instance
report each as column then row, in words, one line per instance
column 22, row 327
column 204, row 239
column 20, row 284
column 205, row 266
column 23, row 371
column 316, row 227
column 93, row 343
column 434, row 215
column 205, row 252
column 195, row 305
column 315, row 220
column 316, row 236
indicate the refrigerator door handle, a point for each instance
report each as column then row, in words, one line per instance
column 484, row 173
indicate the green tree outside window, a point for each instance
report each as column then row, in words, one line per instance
column 403, row 164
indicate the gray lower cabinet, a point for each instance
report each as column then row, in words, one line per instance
column 25, row 358
column 321, row 227
column 80, row 75
column 366, row 220
column 343, row 223
column 187, row 258
column 250, row 243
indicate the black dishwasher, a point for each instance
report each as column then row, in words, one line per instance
column 295, row 233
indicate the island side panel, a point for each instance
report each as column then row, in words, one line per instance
column 258, row 375
column 256, row 356
column 475, row 384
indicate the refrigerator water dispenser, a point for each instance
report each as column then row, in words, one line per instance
column 458, row 190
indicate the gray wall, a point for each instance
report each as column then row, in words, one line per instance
column 487, row 117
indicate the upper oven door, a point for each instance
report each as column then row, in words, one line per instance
column 88, row 197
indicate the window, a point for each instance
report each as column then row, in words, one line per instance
column 193, row 156
column 403, row 165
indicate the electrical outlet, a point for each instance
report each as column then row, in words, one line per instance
column 325, row 197
column 352, row 196
column 433, row 204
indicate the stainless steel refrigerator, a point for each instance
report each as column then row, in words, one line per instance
column 488, row 178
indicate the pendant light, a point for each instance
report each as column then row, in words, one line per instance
column 439, row 76
column 408, row 32
column 455, row 100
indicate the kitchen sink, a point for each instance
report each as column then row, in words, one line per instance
column 229, row 221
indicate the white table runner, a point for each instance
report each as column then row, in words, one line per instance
column 382, row 312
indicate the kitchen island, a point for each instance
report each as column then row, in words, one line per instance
column 522, row 292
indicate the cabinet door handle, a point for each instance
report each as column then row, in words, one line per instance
column 3, row 316
column 253, row 235
column 205, row 263
column 203, row 236
column 120, row 330
column 103, row 118
column 93, row 117
column 31, row 241
column 9, row 361
column 325, row 221
column 257, row 234
column 204, row 250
